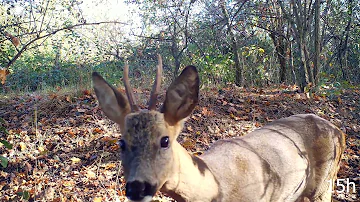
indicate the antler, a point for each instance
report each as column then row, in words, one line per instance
column 157, row 85
column 128, row 89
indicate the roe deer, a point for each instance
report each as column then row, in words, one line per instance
column 291, row 159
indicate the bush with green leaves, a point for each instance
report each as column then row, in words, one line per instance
column 3, row 133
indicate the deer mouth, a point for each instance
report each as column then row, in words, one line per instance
column 140, row 191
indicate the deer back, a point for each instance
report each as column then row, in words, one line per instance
column 286, row 160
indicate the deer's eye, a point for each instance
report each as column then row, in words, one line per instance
column 164, row 142
column 122, row 145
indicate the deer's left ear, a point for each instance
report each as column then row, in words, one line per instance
column 113, row 103
column 182, row 96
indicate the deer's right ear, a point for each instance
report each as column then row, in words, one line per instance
column 182, row 96
column 113, row 103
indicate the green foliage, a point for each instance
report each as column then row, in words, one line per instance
column 184, row 32
column 4, row 160
column 111, row 70
column 331, row 87
column 24, row 195
column 256, row 64
column 43, row 74
column 6, row 144
column 216, row 69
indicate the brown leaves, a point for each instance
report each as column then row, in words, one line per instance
column 69, row 150
column 206, row 112
column 189, row 143
column 49, row 193
column 57, row 149
column 3, row 73
column 14, row 40
column 22, row 146
column 90, row 174
column 97, row 130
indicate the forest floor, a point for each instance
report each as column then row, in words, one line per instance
column 65, row 149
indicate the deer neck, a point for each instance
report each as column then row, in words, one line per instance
column 191, row 179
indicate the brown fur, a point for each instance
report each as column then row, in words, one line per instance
column 290, row 159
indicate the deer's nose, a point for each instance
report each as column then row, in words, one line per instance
column 136, row 190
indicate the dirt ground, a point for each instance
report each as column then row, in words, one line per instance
column 65, row 149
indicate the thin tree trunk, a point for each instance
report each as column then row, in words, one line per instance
column 292, row 65
column 177, row 66
column 343, row 51
column 175, row 52
column 234, row 46
column 280, row 47
column 317, row 41
column 57, row 56
column 307, row 60
column 303, row 68
column 300, row 39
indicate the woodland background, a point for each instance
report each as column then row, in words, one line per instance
column 258, row 61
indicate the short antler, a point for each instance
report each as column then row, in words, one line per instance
column 157, row 85
column 128, row 89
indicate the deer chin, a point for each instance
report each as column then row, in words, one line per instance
column 145, row 199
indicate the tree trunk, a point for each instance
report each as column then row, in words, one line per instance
column 238, row 68
column 234, row 46
column 177, row 66
column 317, row 42
column 175, row 52
column 280, row 47
column 343, row 51
column 310, row 73
column 57, row 56
column 304, row 76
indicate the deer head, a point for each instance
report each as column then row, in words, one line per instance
column 148, row 136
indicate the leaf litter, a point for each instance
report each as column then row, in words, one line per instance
column 65, row 149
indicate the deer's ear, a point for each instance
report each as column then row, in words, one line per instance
column 113, row 103
column 182, row 96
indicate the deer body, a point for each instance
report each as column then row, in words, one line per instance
column 282, row 161
column 290, row 159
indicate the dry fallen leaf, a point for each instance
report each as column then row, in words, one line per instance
column 75, row 160
column 232, row 110
column 3, row 73
column 22, row 146
column 68, row 183
column 189, row 143
column 28, row 167
column 87, row 92
column 49, row 193
column 41, row 149
column 97, row 130
column 110, row 166
column 81, row 110
column 97, row 199
column 189, row 128
column 90, row 174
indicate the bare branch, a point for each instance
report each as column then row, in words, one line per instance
column 38, row 37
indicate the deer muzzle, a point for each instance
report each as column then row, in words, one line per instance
column 138, row 191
